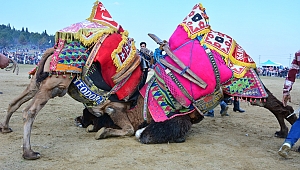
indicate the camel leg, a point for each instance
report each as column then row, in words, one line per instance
column 29, row 115
column 280, row 112
column 49, row 88
column 117, row 112
column 26, row 95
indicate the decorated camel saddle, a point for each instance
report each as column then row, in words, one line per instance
column 101, row 56
column 199, row 66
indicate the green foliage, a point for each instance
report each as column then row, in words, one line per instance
column 10, row 37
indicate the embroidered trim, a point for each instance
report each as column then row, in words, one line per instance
column 126, row 48
column 146, row 97
column 60, row 46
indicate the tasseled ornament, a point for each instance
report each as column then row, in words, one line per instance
column 71, row 76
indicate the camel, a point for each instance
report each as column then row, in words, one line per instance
column 8, row 64
column 118, row 96
column 270, row 102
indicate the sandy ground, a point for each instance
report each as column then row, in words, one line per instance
column 240, row 141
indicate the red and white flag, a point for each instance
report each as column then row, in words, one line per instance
column 101, row 14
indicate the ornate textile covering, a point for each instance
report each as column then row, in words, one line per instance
column 116, row 51
column 249, row 86
column 86, row 32
column 197, row 26
column 69, row 57
column 161, row 104
column 100, row 15
column 196, row 23
column 233, row 54
column 190, row 43
column 194, row 56
column 230, row 50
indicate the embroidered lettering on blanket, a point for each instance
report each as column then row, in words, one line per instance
column 87, row 92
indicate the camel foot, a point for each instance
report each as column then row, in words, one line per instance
column 78, row 121
column 179, row 140
column 5, row 130
column 280, row 134
column 90, row 128
column 31, row 155
column 101, row 134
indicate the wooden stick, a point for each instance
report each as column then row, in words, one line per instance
column 163, row 61
column 164, row 45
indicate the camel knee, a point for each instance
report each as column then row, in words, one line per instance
column 129, row 130
column 28, row 115
column 58, row 92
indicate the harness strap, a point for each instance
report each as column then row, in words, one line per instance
column 179, row 85
column 218, row 94
column 126, row 71
column 150, row 82
column 93, row 53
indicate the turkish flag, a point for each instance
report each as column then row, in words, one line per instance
column 102, row 15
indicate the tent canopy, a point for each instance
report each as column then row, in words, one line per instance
column 270, row 63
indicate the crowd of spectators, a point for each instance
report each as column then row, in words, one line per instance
column 33, row 56
column 24, row 55
column 273, row 71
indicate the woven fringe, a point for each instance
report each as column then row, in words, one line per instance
column 193, row 36
column 78, row 36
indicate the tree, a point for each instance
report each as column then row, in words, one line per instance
column 42, row 41
column 5, row 39
column 22, row 39
column 10, row 36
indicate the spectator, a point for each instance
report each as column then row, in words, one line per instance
column 223, row 112
column 236, row 105
column 294, row 133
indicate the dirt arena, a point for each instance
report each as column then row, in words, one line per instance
column 239, row 141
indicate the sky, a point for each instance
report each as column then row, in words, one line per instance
column 266, row 29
